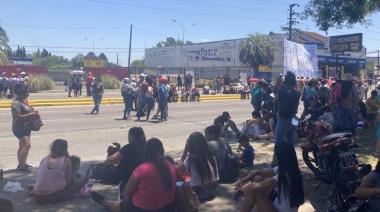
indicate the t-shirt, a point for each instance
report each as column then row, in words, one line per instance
column 372, row 105
column 132, row 157
column 374, row 202
column 288, row 100
column 219, row 149
column 196, row 179
column 248, row 156
column 220, row 120
column 151, row 192
column 283, row 204
column 22, row 108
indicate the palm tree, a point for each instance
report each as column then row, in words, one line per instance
column 3, row 47
column 256, row 51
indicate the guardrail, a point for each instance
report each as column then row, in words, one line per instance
column 105, row 101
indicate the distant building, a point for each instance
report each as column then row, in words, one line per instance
column 211, row 59
column 20, row 61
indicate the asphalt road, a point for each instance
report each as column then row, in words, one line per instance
column 89, row 135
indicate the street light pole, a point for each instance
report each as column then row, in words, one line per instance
column 183, row 29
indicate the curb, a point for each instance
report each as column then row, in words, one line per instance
column 105, row 101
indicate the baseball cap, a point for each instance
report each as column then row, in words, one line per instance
column 226, row 114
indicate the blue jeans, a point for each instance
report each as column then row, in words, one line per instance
column 128, row 103
column 97, row 100
column 348, row 121
column 162, row 107
column 285, row 131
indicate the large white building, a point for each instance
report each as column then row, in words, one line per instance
column 212, row 59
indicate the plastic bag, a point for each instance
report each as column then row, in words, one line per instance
column 13, row 187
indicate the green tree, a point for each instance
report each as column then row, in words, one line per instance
column 3, row 47
column 102, row 56
column 170, row 41
column 44, row 53
column 138, row 63
column 256, row 51
column 77, row 61
column 337, row 13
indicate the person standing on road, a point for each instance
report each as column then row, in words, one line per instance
column 127, row 93
column 97, row 94
column 287, row 107
column 89, row 81
column 162, row 98
column 22, row 113
column 179, row 82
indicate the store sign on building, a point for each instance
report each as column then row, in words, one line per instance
column 346, row 43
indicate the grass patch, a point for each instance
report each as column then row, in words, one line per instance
column 40, row 82
column 110, row 82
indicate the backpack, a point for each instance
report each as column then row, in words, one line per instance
column 230, row 169
column 185, row 199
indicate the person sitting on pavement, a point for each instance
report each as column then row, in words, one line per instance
column 255, row 126
column 248, row 155
column 217, row 147
column 224, row 121
column 285, row 182
column 369, row 189
column 151, row 186
column 127, row 159
column 54, row 181
column 195, row 95
column 204, row 176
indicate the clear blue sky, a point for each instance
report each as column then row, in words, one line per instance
column 65, row 23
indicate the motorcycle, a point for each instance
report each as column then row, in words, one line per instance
column 328, row 156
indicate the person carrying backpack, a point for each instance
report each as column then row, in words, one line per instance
column 127, row 91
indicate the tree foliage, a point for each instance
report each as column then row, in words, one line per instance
column 77, row 61
column 3, row 47
column 339, row 13
column 256, row 50
column 170, row 41
column 138, row 64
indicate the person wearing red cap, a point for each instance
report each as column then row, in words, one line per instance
column 162, row 98
column 89, row 81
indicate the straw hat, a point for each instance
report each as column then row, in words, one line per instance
column 348, row 77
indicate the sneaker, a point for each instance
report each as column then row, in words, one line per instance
column 23, row 169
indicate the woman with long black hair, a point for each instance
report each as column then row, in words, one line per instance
column 202, row 165
column 151, row 186
column 370, row 189
column 285, row 182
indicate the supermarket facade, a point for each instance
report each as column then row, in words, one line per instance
column 212, row 59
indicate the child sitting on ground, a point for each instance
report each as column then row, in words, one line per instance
column 248, row 155
column 79, row 180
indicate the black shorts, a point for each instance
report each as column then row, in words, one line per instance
column 22, row 133
column 126, row 205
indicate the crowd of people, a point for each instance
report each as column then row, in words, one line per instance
column 9, row 82
column 149, row 180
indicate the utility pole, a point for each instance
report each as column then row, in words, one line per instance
column 378, row 61
column 130, row 46
column 292, row 21
column 117, row 59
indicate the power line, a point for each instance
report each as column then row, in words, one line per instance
column 65, row 28
column 229, row 6
column 182, row 11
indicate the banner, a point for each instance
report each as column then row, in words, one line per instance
column 301, row 59
column 91, row 63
